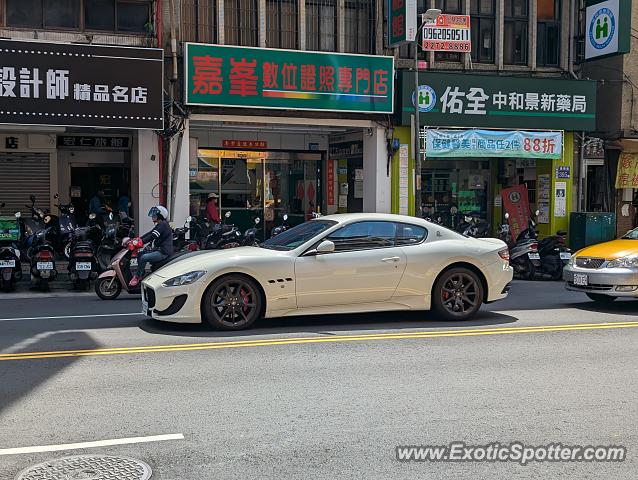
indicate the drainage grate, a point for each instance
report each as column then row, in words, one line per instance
column 88, row 467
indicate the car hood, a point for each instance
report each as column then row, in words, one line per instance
column 207, row 259
column 611, row 250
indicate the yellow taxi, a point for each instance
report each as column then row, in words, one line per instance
column 605, row 271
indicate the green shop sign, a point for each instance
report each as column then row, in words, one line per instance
column 229, row 76
column 485, row 101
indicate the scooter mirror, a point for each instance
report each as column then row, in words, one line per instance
column 92, row 216
column 111, row 216
column 189, row 219
column 2, row 205
column 285, row 217
column 227, row 215
column 537, row 212
column 507, row 216
column 32, row 198
column 18, row 214
column 257, row 220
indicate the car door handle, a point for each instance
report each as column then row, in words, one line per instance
column 391, row 259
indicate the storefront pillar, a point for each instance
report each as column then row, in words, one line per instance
column 178, row 176
column 376, row 173
column 145, row 178
column 402, row 176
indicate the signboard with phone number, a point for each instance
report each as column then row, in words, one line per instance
column 450, row 33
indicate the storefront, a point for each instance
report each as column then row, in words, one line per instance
column 290, row 133
column 79, row 119
column 489, row 140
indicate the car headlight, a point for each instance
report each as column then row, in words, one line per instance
column 185, row 279
column 572, row 260
column 624, row 262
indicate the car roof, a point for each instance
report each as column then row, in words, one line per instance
column 388, row 217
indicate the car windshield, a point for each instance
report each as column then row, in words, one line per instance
column 291, row 239
column 631, row 234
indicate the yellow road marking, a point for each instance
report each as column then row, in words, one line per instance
column 317, row 339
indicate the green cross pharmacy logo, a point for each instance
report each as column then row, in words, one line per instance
column 427, row 98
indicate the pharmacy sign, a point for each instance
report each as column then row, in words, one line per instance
column 608, row 24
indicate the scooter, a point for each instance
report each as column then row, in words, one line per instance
column 10, row 266
column 180, row 242
column 474, row 226
column 41, row 256
column 82, row 261
column 251, row 234
column 524, row 256
column 554, row 255
column 280, row 228
column 223, row 236
column 63, row 227
column 123, row 266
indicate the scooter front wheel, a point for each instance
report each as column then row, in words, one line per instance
column 108, row 288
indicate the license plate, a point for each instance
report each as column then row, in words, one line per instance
column 580, row 279
column 44, row 265
column 534, row 256
column 83, row 266
column 133, row 262
column 565, row 255
column 7, row 263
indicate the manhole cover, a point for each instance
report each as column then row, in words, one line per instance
column 88, row 467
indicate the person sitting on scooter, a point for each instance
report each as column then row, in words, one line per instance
column 161, row 238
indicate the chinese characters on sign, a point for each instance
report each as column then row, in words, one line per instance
column 627, row 174
column 84, row 85
column 502, row 102
column 91, row 141
column 331, row 181
column 402, row 22
column 245, row 144
column 449, row 33
column 516, row 203
column 489, row 143
column 283, row 79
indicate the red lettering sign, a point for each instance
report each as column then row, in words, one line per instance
column 289, row 76
column 308, row 77
column 380, row 82
column 244, row 144
column 331, row 182
column 326, row 78
column 398, row 24
column 243, row 80
column 345, row 79
column 270, row 75
column 207, row 78
column 516, row 203
column 363, row 75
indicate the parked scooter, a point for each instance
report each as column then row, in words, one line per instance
column 10, row 266
column 524, row 256
column 223, row 236
column 250, row 236
column 41, row 256
column 474, row 226
column 554, row 255
column 180, row 242
column 62, row 227
column 280, row 228
column 82, row 261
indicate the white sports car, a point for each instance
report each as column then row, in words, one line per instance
column 334, row 264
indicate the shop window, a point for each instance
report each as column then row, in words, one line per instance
column 281, row 24
column 321, row 25
column 43, row 13
column 516, row 28
column 199, row 21
column 359, row 26
column 453, row 7
column 364, row 236
column 483, row 37
column 549, row 32
column 240, row 22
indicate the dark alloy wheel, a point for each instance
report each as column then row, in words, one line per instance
column 232, row 302
column 108, row 288
column 457, row 294
column 600, row 298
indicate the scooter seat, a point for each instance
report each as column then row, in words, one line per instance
column 562, row 233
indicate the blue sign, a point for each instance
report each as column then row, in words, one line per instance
column 493, row 143
column 563, row 172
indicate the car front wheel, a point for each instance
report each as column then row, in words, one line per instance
column 232, row 302
column 457, row 294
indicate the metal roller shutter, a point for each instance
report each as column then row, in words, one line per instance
column 23, row 174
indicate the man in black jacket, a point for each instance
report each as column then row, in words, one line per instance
column 161, row 246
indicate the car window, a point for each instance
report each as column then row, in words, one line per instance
column 364, row 236
column 291, row 239
column 408, row 234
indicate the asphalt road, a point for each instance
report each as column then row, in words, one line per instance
column 320, row 397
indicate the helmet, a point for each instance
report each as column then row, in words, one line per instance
column 213, row 195
column 158, row 211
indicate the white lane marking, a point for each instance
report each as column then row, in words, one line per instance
column 71, row 316
column 99, row 443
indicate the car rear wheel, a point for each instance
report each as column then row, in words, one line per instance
column 232, row 302
column 457, row 294
column 600, row 298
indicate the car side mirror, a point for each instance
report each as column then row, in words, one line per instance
column 326, row 247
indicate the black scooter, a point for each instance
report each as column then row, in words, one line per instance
column 10, row 266
column 83, row 265
column 223, row 236
column 250, row 236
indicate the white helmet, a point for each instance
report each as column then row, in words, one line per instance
column 158, row 210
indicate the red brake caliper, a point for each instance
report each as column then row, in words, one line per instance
column 245, row 299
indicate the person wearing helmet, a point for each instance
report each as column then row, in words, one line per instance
column 161, row 243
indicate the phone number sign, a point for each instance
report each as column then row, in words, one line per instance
column 450, row 33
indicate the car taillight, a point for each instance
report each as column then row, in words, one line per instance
column 504, row 254
column 44, row 255
column 83, row 254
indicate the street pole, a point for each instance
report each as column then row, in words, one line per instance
column 429, row 16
